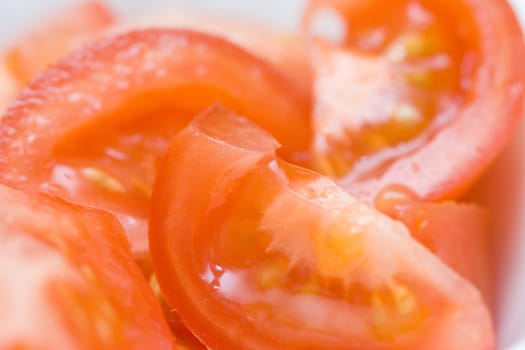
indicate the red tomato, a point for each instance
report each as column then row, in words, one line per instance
column 69, row 280
column 91, row 128
column 255, row 253
column 421, row 93
column 456, row 233
column 65, row 31
column 286, row 49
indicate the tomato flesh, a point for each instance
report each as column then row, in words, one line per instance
column 255, row 253
column 69, row 280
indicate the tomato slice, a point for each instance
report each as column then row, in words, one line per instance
column 255, row 253
column 420, row 93
column 69, row 280
column 91, row 128
column 457, row 233
column 66, row 31
column 286, row 49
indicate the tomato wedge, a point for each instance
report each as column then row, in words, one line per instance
column 255, row 253
column 69, row 280
column 66, row 31
column 91, row 128
column 457, row 233
column 420, row 93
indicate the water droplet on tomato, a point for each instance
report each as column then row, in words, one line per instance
column 217, row 270
column 215, row 284
column 392, row 199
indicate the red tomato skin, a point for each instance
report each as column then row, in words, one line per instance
column 66, row 30
column 457, row 154
column 82, row 287
column 176, row 255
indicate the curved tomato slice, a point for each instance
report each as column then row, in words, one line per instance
column 91, row 128
column 69, row 280
column 255, row 253
column 421, row 93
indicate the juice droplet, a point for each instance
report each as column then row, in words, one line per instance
column 393, row 199
column 217, row 270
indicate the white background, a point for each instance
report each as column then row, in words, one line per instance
column 15, row 16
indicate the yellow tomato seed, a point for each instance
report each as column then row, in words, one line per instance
column 154, row 284
column 379, row 315
column 103, row 180
column 141, row 187
column 406, row 301
column 272, row 274
column 405, row 113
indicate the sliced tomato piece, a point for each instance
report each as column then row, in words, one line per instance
column 285, row 48
column 91, row 128
column 421, row 93
column 66, row 31
column 255, row 253
column 457, row 233
column 69, row 280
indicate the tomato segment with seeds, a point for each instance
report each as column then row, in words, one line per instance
column 255, row 253
column 91, row 128
column 69, row 280
column 421, row 93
